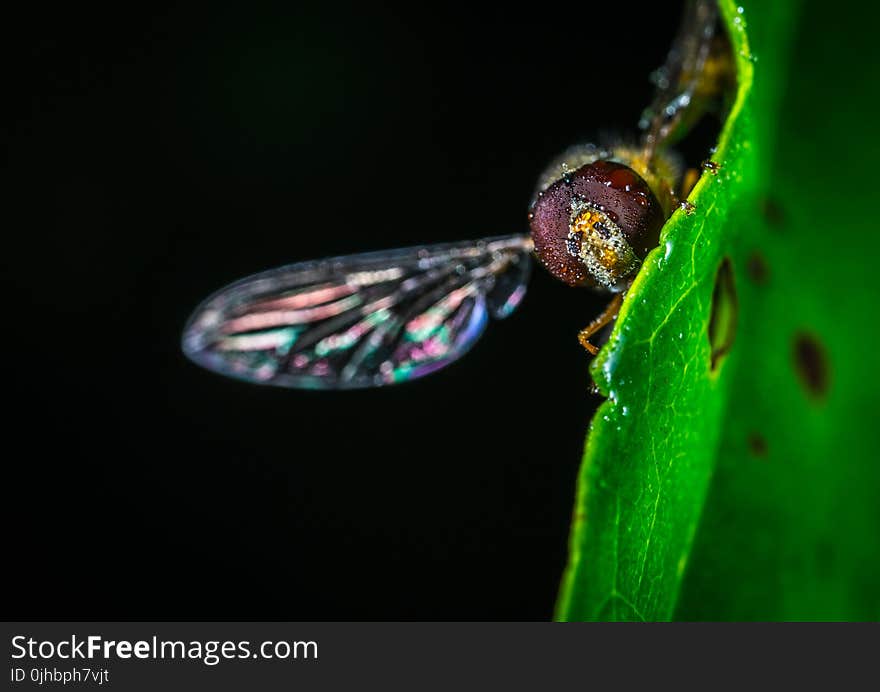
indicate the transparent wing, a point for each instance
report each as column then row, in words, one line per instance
column 360, row 320
column 683, row 83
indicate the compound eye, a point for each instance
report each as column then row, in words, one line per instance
column 593, row 226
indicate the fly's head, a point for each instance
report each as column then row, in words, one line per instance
column 594, row 224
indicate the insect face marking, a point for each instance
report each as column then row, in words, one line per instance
column 597, row 241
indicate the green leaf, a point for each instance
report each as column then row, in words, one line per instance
column 744, row 483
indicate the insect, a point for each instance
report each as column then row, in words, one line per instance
column 379, row 318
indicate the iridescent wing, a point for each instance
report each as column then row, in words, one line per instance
column 360, row 320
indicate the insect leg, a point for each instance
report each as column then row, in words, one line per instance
column 609, row 314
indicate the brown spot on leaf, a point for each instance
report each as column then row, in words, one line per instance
column 758, row 444
column 773, row 212
column 757, row 267
column 811, row 364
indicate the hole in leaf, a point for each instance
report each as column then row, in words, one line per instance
column 725, row 311
column 811, row 364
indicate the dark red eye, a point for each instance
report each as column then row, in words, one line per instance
column 593, row 226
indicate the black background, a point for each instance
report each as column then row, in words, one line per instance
column 155, row 157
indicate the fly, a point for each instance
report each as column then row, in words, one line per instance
column 374, row 319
